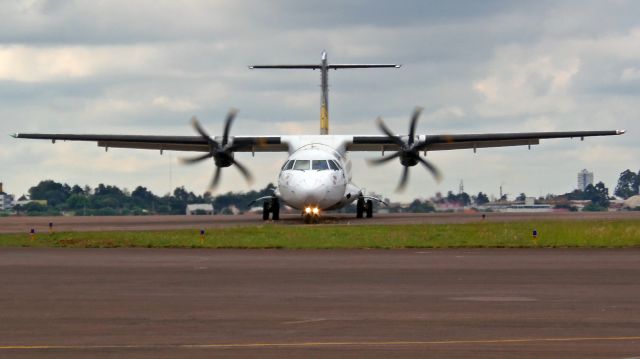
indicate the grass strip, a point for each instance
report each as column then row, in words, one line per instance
column 585, row 234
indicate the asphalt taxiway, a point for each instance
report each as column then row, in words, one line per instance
column 526, row 303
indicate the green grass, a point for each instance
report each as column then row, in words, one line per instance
column 590, row 234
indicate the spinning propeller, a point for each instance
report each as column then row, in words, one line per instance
column 409, row 152
column 221, row 152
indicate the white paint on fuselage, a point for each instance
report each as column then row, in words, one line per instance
column 325, row 189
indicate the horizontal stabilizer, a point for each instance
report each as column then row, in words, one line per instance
column 361, row 66
column 312, row 67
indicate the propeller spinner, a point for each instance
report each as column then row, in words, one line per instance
column 409, row 152
column 221, row 152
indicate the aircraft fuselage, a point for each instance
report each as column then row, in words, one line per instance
column 316, row 176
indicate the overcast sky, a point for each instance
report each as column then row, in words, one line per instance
column 145, row 67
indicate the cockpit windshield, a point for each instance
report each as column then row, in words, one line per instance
column 319, row 165
column 316, row 165
column 289, row 165
column 333, row 165
column 301, row 165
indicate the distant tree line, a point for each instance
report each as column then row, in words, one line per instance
column 106, row 200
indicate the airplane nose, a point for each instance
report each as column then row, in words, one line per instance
column 313, row 190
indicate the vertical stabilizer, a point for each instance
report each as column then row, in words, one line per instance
column 324, row 97
column 324, row 68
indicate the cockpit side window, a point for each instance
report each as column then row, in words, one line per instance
column 319, row 165
column 333, row 165
column 284, row 165
column 337, row 164
column 301, row 165
column 289, row 165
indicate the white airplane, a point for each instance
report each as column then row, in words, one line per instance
column 317, row 175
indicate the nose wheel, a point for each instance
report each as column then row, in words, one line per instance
column 271, row 207
column 364, row 208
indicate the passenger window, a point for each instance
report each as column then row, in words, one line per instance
column 333, row 165
column 289, row 165
column 319, row 165
column 301, row 165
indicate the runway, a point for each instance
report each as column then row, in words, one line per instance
column 142, row 223
column 526, row 303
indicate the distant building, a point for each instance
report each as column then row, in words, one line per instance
column 529, row 206
column 585, row 178
column 6, row 200
column 632, row 202
column 200, row 208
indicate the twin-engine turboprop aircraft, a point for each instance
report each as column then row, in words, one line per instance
column 317, row 175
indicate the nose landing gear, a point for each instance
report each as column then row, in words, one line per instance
column 311, row 215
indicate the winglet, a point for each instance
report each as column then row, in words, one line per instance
column 14, row 135
column 621, row 132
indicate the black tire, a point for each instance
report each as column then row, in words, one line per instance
column 359, row 208
column 275, row 209
column 369, row 208
column 265, row 211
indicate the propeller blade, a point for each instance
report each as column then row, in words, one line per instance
column 215, row 179
column 414, row 121
column 388, row 132
column 196, row 125
column 387, row 158
column 434, row 171
column 245, row 172
column 227, row 125
column 403, row 179
column 196, row 159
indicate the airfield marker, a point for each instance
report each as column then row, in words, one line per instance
column 50, row 227
column 202, row 237
column 32, row 234
column 535, row 236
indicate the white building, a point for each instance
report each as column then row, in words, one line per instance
column 192, row 209
column 585, row 178
column 6, row 200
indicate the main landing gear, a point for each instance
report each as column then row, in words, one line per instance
column 272, row 207
column 364, row 207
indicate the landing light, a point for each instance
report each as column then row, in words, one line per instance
column 307, row 210
column 316, row 210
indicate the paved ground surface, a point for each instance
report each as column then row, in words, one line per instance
column 24, row 224
column 290, row 304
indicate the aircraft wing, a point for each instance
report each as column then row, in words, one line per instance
column 168, row 143
column 461, row 141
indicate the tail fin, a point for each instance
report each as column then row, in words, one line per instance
column 324, row 67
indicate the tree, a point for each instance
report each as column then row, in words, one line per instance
column 627, row 184
column 77, row 190
column 53, row 192
column 418, row 206
column 598, row 194
column 481, row 198
column 521, row 197
column 461, row 198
